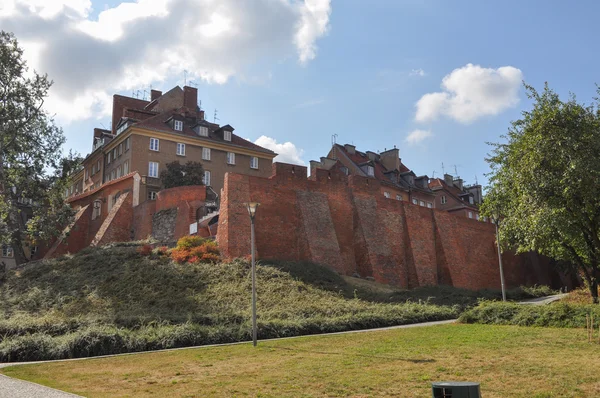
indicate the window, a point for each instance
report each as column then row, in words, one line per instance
column 415, row 201
column 429, row 205
column 470, row 214
column 203, row 131
column 120, row 149
column 126, row 168
column 115, row 154
column 119, row 172
column 113, row 175
column 205, row 153
column 230, row 158
column 206, row 178
column 253, row 162
column 178, row 125
column 370, row 171
column 108, row 158
column 345, row 170
column 153, row 169
column 181, row 149
column 87, row 174
column 93, row 169
column 398, row 197
column 470, row 199
column 33, row 250
column 122, row 128
column 422, row 203
column 444, row 200
column 154, row 144
column 152, row 195
column 477, row 216
column 98, row 166
column 227, row 135
column 96, row 209
column 386, row 194
column 7, row 251
column 127, row 144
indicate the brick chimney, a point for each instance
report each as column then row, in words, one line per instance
column 391, row 159
column 449, row 180
column 154, row 94
column 372, row 156
column 190, row 98
column 351, row 149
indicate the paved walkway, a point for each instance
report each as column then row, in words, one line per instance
column 544, row 300
column 13, row 388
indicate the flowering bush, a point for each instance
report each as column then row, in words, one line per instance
column 187, row 242
column 145, row 250
column 194, row 249
column 161, row 251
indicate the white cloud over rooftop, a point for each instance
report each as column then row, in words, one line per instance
column 139, row 43
column 472, row 92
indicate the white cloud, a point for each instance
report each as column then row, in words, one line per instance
column 417, row 72
column 416, row 136
column 287, row 152
column 472, row 92
column 314, row 24
column 143, row 42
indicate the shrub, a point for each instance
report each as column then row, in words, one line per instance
column 161, row 251
column 552, row 315
column 180, row 256
column 187, row 242
column 145, row 250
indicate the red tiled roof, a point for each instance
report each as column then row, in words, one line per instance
column 452, row 190
column 158, row 123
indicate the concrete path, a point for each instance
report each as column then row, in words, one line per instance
column 13, row 388
column 544, row 300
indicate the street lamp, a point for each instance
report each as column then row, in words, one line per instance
column 252, row 206
column 497, row 222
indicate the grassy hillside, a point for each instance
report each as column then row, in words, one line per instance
column 113, row 300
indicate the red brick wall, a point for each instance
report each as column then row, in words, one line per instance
column 346, row 223
column 142, row 219
column 172, row 197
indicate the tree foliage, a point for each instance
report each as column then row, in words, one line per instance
column 545, row 183
column 31, row 170
column 176, row 175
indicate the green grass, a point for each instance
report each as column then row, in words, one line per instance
column 508, row 361
column 112, row 300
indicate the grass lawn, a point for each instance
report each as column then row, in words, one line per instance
column 508, row 361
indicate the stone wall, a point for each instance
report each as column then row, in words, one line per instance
column 345, row 223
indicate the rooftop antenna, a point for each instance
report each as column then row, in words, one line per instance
column 185, row 72
column 333, row 139
column 433, row 174
column 145, row 92
column 192, row 84
column 215, row 118
column 137, row 94
column 476, row 183
column 443, row 168
column 200, row 104
column 456, row 171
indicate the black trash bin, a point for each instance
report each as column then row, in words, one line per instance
column 455, row 389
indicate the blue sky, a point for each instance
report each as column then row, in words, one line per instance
column 374, row 61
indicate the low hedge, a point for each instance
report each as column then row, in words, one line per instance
column 562, row 315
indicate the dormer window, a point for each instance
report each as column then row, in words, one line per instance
column 122, row 128
column 227, row 135
column 202, row 131
column 178, row 125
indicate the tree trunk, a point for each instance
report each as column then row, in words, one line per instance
column 594, row 290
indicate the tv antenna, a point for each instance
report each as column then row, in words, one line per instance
column 443, row 168
column 215, row 118
column 433, row 174
column 456, row 170
column 145, row 92
column 333, row 139
column 191, row 83
column 476, row 183
column 185, row 72
column 200, row 104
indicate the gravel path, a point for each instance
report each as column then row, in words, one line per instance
column 13, row 388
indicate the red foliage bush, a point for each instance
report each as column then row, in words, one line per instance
column 163, row 250
column 180, row 256
column 145, row 250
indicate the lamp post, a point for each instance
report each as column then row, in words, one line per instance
column 252, row 206
column 497, row 222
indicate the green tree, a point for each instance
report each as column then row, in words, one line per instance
column 31, row 170
column 545, row 183
column 177, row 175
